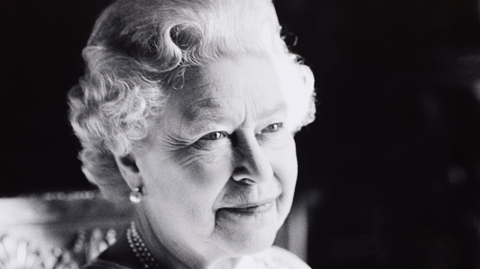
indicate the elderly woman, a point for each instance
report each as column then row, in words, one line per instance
column 189, row 108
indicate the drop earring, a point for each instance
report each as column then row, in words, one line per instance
column 136, row 195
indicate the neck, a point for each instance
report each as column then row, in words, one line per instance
column 177, row 257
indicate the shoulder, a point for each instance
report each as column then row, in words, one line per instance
column 101, row 264
column 274, row 258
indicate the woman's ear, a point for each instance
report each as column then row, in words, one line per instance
column 128, row 168
column 308, row 78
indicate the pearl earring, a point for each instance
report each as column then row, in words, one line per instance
column 136, row 195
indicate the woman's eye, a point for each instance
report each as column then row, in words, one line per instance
column 272, row 128
column 214, row 136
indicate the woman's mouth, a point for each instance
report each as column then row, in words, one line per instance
column 250, row 209
column 251, row 215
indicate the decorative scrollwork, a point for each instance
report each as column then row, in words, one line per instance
column 19, row 254
column 64, row 259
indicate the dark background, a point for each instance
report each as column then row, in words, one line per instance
column 394, row 152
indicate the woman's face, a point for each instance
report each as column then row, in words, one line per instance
column 220, row 167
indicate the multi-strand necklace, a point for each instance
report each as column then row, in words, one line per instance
column 140, row 249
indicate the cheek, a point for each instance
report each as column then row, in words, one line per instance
column 193, row 182
column 284, row 163
column 199, row 161
column 184, row 194
column 207, row 172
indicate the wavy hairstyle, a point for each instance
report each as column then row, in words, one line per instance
column 138, row 52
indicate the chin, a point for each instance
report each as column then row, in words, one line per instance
column 248, row 243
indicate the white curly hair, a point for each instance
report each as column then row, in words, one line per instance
column 138, row 53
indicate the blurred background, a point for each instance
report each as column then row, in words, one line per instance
column 393, row 159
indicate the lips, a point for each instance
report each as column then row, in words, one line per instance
column 250, row 208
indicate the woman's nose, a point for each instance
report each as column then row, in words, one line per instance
column 251, row 161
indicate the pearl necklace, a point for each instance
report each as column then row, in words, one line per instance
column 140, row 249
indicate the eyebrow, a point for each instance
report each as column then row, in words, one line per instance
column 197, row 112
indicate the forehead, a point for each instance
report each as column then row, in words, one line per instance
column 246, row 78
